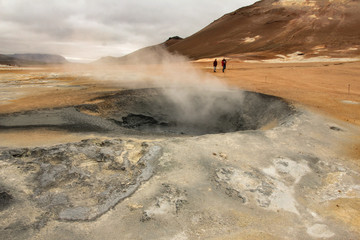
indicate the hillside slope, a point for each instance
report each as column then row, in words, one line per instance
column 270, row 27
column 151, row 54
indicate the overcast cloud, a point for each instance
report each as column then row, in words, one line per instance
column 90, row 29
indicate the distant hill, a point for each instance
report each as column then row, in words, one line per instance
column 31, row 59
column 271, row 27
column 43, row 58
column 6, row 60
column 152, row 54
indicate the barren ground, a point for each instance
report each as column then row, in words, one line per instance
column 323, row 87
column 298, row 178
column 330, row 88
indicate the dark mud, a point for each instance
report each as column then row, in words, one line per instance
column 68, row 119
column 194, row 113
column 5, row 199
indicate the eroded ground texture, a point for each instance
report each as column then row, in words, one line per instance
column 287, row 182
column 92, row 162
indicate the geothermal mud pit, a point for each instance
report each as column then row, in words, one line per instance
column 180, row 111
column 177, row 164
column 161, row 111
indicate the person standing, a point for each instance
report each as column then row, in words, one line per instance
column 223, row 63
column 215, row 64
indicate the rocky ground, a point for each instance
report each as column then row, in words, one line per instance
column 288, row 182
column 293, row 179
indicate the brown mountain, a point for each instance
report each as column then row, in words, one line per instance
column 268, row 28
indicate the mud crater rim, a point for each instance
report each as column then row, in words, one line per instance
column 175, row 111
column 161, row 112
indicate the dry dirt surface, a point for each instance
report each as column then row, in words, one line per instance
column 127, row 153
column 332, row 88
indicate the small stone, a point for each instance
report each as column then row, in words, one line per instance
column 145, row 217
column 336, row 128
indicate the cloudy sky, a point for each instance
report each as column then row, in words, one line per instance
column 90, row 29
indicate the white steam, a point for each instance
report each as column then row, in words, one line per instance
column 194, row 93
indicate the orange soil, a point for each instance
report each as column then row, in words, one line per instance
column 320, row 86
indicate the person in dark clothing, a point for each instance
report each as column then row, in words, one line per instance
column 215, row 64
column 223, row 63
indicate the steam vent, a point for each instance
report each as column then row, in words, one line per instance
column 179, row 111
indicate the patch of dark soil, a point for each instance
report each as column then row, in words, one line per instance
column 5, row 200
column 88, row 107
column 137, row 120
column 336, row 129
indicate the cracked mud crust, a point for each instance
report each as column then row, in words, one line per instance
column 74, row 181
